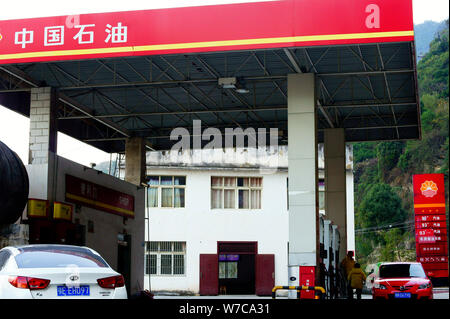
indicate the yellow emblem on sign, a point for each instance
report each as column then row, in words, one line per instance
column 429, row 189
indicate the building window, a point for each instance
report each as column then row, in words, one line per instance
column 228, row 266
column 165, row 258
column 236, row 192
column 166, row 191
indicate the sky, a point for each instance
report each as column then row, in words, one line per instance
column 14, row 128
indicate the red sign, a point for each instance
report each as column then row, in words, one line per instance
column 431, row 225
column 430, row 236
column 425, row 232
column 425, row 236
column 96, row 196
column 437, row 249
column 440, row 231
column 433, row 259
column 430, row 218
column 272, row 24
column 429, row 194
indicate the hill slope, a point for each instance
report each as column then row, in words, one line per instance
column 383, row 170
column 424, row 33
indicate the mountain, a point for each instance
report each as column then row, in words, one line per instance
column 424, row 33
column 384, row 214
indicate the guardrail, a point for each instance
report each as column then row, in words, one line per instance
column 298, row 288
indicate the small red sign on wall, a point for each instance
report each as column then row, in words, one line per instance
column 307, row 278
column 99, row 197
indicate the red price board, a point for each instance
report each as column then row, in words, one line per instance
column 425, row 236
column 430, row 218
column 440, row 231
column 431, row 225
column 433, row 259
column 421, row 225
column 437, row 249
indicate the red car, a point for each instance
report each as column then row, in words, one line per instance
column 402, row 280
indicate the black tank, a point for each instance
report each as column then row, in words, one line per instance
column 14, row 186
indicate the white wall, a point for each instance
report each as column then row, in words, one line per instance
column 201, row 227
column 106, row 225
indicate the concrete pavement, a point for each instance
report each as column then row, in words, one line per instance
column 438, row 293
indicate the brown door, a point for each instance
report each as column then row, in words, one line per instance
column 265, row 274
column 209, row 274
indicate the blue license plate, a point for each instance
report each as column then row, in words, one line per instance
column 73, row 291
column 402, row 295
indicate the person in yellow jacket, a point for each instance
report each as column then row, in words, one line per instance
column 347, row 265
column 348, row 262
column 356, row 277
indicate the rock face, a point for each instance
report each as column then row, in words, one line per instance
column 14, row 186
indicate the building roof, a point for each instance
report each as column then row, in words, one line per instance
column 265, row 159
column 366, row 83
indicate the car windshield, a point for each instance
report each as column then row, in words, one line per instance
column 49, row 256
column 402, row 271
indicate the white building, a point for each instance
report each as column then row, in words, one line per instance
column 219, row 220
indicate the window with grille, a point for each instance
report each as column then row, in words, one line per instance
column 166, row 191
column 165, row 258
column 236, row 192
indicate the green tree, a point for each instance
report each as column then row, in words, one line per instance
column 394, row 245
column 388, row 154
column 363, row 151
column 432, row 70
column 365, row 176
column 381, row 206
column 378, row 204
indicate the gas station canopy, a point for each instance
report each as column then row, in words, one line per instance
column 143, row 73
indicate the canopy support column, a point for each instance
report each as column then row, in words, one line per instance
column 303, row 175
column 43, row 141
column 335, row 183
column 135, row 160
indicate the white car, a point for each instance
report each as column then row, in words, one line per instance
column 57, row 272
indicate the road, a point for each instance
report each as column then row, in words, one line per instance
column 439, row 293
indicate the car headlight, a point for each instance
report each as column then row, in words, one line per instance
column 425, row 286
column 380, row 286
